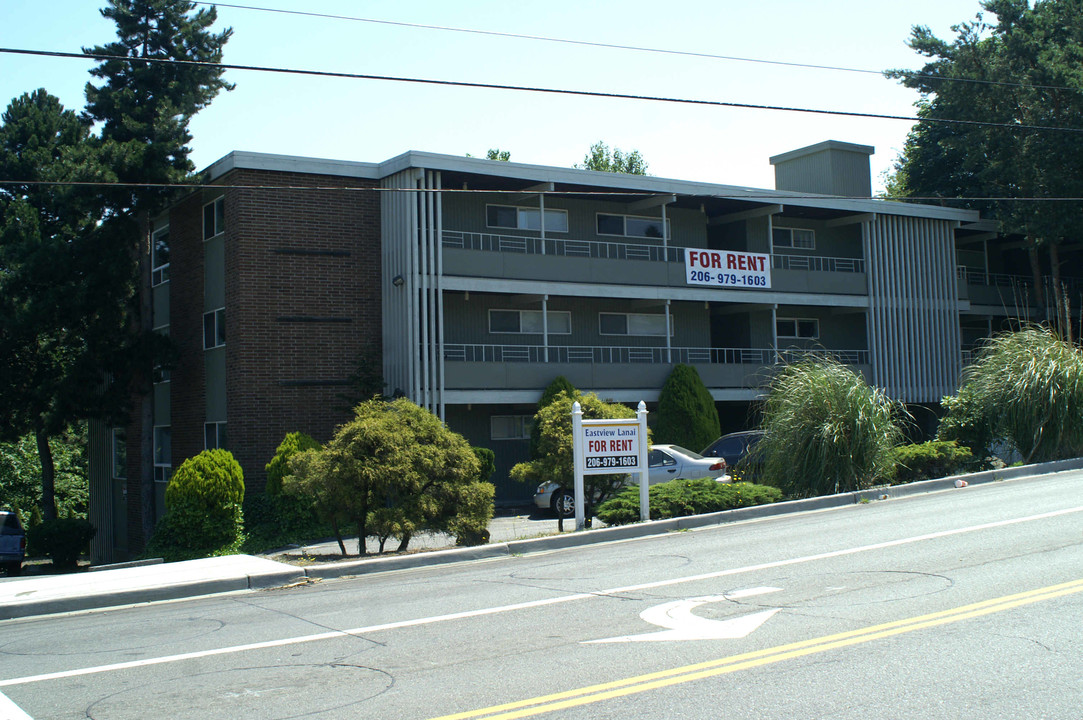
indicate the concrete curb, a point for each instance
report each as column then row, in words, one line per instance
column 194, row 578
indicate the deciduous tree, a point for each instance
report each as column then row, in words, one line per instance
column 599, row 157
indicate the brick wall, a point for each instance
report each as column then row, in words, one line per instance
column 302, row 306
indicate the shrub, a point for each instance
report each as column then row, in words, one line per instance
column 394, row 470
column 935, row 459
column 554, row 462
column 1027, row 387
column 204, row 514
column 486, row 463
column 560, row 384
column 680, row 498
column 827, row 431
column 278, row 468
column 686, row 412
column 63, row 540
column 966, row 423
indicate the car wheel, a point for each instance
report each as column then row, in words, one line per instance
column 563, row 503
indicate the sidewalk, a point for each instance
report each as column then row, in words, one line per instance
column 510, row 535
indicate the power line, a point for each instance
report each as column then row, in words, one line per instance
column 525, row 88
column 750, row 194
column 634, row 48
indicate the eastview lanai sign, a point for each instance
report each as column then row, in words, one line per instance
column 605, row 447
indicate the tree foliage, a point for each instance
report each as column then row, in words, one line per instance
column 827, row 431
column 65, row 282
column 20, row 474
column 559, row 384
column 555, row 460
column 204, row 515
column 686, row 413
column 1026, row 65
column 392, row 471
column 600, row 158
column 278, row 468
column 1025, row 387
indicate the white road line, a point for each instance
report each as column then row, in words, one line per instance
column 11, row 711
column 526, row 605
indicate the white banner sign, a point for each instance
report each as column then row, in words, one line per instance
column 610, row 448
column 727, row 268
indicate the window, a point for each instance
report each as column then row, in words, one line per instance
column 214, row 218
column 657, row 458
column 510, row 427
column 517, row 218
column 793, row 238
column 631, row 324
column 163, row 453
column 214, row 328
column 529, row 322
column 214, row 436
column 630, row 226
column 806, row 328
column 159, row 256
column 120, row 454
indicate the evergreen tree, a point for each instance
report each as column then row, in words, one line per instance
column 1023, row 71
column 144, row 105
column 64, row 286
column 686, row 412
column 552, row 391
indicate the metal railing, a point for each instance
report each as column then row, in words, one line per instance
column 561, row 247
column 979, row 277
column 521, row 244
column 818, row 263
column 646, row 355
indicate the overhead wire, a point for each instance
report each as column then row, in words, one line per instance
column 752, row 194
column 632, row 48
column 536, row 89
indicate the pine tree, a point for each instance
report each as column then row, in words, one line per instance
column 144, row 105
column 686, row 412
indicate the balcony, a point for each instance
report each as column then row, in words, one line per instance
column 521, row 257
column 534, row 366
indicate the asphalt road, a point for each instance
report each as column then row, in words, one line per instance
column 960, row 604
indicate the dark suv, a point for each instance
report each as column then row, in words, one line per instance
column 12, row 543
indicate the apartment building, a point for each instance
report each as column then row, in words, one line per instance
column 477, row 282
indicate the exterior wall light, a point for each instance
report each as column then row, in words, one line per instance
column 397, row 281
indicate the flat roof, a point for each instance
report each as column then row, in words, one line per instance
column 576, row 178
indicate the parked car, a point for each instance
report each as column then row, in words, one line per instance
column 12, row 543
column 733, row 447
column 664, row 463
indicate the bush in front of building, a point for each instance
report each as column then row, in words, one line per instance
column 928, row 460
column 686, row 413
column 681, row 498
column 1025, row 387
column 554, row 462
column 393, row 471
column 63, row 540
column 273, row 518
column 827, row 430
column 560, row 384
column 204, row 514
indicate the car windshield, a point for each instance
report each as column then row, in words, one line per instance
column 686, row 451
column 9, row 524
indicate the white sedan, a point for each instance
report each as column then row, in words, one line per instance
column 664, row 462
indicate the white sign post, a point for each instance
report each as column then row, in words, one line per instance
column 605, row 447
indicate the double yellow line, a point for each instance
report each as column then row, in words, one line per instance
column 745, row 661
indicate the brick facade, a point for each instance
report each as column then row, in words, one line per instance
column 302, row 306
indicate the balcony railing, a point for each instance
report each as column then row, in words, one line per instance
column 648, row 355
column 818, row 263
column 625, row 251
column 560, row 246
column 978, row 277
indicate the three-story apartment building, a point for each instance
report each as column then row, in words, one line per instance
column 476, row 282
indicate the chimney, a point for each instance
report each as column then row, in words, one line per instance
column 827, row 168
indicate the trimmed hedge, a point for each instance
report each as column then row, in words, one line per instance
column 681, row 498
column 925, row 461
column 62, row 539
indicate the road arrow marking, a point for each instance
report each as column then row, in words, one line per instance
column 682, row 624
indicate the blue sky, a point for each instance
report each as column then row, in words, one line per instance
column 371, row 121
